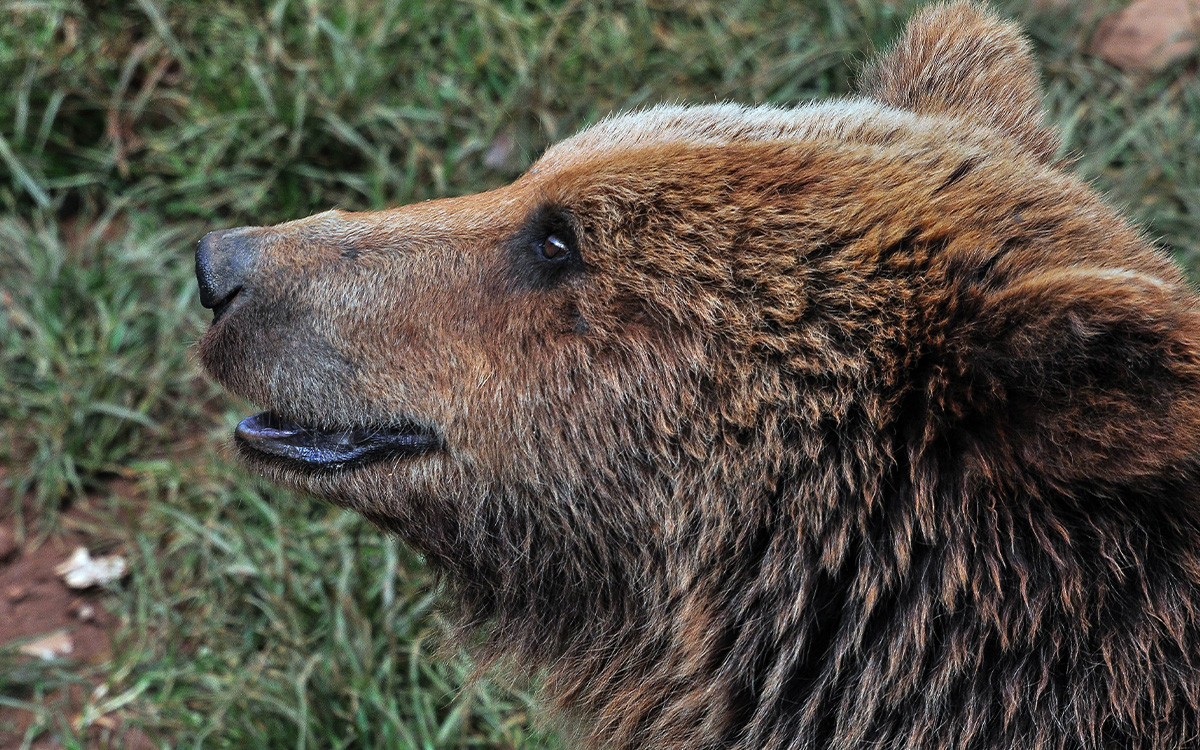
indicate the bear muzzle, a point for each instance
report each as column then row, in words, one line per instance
column 272, row 335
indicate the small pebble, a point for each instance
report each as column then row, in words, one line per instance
column 15, row 593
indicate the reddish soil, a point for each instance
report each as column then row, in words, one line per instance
column 34, row 602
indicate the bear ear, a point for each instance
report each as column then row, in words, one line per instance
column 961, row 60
column 1092, row 375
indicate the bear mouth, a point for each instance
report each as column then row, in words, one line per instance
column 269, row 435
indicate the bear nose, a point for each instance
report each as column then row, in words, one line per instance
column 223, row 262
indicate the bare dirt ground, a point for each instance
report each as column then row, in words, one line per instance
column 40, row 613
column 34, row 601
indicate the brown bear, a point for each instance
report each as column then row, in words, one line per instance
column 858, row 424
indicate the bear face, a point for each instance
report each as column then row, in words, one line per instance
column 855, row 422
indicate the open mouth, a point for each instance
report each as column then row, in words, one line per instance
column 308, row 447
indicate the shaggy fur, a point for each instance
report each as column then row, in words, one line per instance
column 860, row 424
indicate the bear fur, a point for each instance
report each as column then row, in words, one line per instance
column 857, row 424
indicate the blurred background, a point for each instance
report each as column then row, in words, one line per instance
column 246, row 616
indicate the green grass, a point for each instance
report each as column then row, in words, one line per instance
column 253, row 618
column 92, row 352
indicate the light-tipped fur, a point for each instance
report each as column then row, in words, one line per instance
column 859, row 424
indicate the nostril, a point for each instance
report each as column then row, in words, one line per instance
column 223, row 263
column 223, row 304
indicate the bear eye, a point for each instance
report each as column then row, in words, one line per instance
column 553, row 248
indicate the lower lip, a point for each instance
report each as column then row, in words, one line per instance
column 270, row 436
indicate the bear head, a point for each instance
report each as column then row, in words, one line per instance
column 751, row 427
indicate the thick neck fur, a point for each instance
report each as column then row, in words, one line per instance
column 894, row 563
column 909, row 611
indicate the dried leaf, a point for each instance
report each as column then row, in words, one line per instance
column 81, row 570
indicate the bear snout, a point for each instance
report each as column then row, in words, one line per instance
column 223, row 262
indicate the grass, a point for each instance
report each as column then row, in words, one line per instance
column 129, row 127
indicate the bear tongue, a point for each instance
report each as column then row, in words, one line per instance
column 268, row 433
